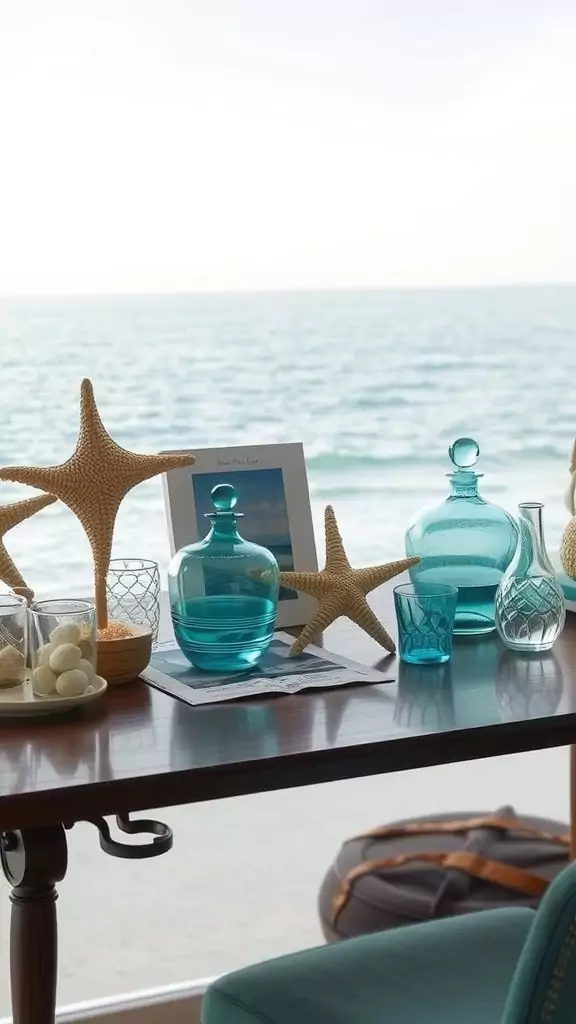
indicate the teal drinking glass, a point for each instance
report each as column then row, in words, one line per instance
column 425, row 614
column 223, row 593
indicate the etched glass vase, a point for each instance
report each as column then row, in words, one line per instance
column 530, row 607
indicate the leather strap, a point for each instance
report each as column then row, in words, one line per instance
column 429, row 828
column 506, row 875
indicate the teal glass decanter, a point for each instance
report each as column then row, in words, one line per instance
column 223, row 593
column 465, row 541
column 530, row 605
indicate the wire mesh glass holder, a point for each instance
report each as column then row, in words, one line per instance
column 133, row 593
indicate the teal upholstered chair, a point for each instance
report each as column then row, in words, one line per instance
column 497, row 967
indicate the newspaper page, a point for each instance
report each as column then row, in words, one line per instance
column 276, row 672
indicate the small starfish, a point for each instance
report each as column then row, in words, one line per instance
column 12, row 515
column 93, row 483
column 342, row 590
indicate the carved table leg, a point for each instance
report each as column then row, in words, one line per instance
column 33, row 860
column 573, row 803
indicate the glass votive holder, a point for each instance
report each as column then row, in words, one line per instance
column 13, row 640
column 133, row 593
column 62, row 639
column 425, row 614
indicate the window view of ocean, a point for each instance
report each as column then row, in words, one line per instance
column 376, row 384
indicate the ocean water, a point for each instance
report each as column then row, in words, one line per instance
column 375, row 383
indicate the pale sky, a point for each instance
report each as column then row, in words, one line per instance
column 168, row 145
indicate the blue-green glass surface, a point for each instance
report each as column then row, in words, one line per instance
column 223, row 594
column 466, row 541
column 425, row 614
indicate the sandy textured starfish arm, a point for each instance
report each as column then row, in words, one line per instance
column 329, row 609
column 312, row 583
column 336, row 557
column 362, row 614
column 374, row 576
column 12, row 515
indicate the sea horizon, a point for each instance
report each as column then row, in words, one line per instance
column 186, row 292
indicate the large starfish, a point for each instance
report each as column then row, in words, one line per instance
column 342, row 590
column 93, row 483
column 12, row 515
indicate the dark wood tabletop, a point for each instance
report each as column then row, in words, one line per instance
column 139, row 749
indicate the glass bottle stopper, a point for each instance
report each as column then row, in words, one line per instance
column 224, row 497
column 464, row 453
column 224, row 500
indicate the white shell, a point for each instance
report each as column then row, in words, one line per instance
column 72, row 683
column 87, row 667
column 65, row 658
column 66, row 633
column 12, row 663
column 44, row 680
column 44, row 654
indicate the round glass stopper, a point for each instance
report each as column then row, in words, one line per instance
column 464, row 452
column 224, row 497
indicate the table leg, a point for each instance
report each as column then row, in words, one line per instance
column 573, row 803
column 33, row 860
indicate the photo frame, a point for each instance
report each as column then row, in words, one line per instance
column 273, row 494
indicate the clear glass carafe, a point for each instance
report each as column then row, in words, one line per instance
column 530, row 606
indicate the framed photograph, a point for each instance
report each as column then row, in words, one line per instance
column 273, row 494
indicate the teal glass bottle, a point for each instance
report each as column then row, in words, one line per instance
column 465, row 541
column 223, row 593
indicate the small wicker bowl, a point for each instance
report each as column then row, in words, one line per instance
column 122, row 659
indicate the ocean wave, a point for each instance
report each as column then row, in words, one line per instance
column 528, row 452
column 381, row 401
column 354, row 461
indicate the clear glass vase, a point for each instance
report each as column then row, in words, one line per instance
column 133, row 593
column 530, row 607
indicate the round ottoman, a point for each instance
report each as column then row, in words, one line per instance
column 438, row 866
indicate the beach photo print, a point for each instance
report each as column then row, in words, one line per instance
column 273, row 497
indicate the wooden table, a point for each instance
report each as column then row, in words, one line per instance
column 139, row 749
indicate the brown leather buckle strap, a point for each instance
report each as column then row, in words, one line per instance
column 494, row 871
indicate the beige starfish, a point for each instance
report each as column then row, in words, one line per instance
column 342, row 590
column 93, row 483
column 12, row 515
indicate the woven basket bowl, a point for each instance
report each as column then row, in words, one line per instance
column 123, row 659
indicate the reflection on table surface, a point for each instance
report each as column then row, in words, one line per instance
column 153, row 744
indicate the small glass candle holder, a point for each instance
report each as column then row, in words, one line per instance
column 13, row 640
column 425, row 613
column 62, row 646
column 133, row 593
